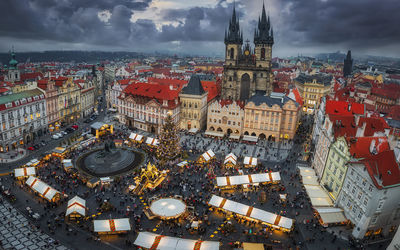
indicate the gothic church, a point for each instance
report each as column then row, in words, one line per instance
column 247, row 71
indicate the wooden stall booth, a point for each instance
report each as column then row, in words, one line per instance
column 230, row 160
column 206, row 157
column 43, row 190
column 136, row 138
column 112, row 226
column 76, row 208
column 152, row 142
column 59, row 152
column 250, row 162
column 23, row 173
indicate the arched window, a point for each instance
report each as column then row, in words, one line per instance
column 232, row 53
column 230, row 78
column 262, row 53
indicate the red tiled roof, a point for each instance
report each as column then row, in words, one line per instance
column 227, row 102
column 373, row 124
column 211, row 88
column 383, row 169
column 3, row 90
column 125, row 81
column 343, row 108
column 343, row 125
column 31, row 76
column 360, row 147
column 394, row 112
column 391, row 91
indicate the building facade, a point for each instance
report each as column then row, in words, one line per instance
column 87, row 95
column 226, row 116
column 312, row 88
column 371, row 195
column 53, row 116
column 336, row 167
column 193, row 98
column 68, row 100
column 271, row 117
column 145, row 106
column 247, row 71
column 22, row 118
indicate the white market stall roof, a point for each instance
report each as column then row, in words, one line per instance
column 305, row 171
column 331, row 215
column 105, row 179
column 168, row 207
column 33, row 162
column 250, row 138
column 183, row 163
column 20, row 172
column 208, row 155
column 230, row 158
column 41, row 187
column 151, row 141
column 193, row 130
column 59, row 150
column 67, row 163
column 251, row 212
column 234, row 136
column 248, row 179
column 250, row 161
column 310, row 180
column 76, row 205
column 112, row 225
column 214, row 133
column 97, row 125
column 135, row 137
column 160, row 242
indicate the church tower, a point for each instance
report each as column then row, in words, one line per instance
column 247, row 71
column 13, row 74
column 348, row 65
column 233, row 41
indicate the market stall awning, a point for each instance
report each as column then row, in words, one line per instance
column 183, row 163
column 253, row 246
column 105, row 179
column 234, row 136
column 67, row 163
column 230, row 158
column 160, row 242
column 193, row 130
column 331, row 215
column 151, row 141
column 208, row 155
column 59, row 150
column 33, row 162
column 214, row 133
column 248, row 179
column 135, row 137
column 20, row 172
column 112, row 110
column 112, row 225
column 250, row 138
column 270, row 219
column 250, row 161
column 41, row 187
column 97, row 125
column 76, row 205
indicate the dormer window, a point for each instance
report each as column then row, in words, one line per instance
column 165, row 103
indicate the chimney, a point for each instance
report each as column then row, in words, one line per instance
column 349, row 106
column 360, row 131
column 372, row 147
column 171, row 87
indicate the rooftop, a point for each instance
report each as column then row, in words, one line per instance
column 194, row 86
column 320, row 79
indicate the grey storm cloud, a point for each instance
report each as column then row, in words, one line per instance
column 297, row 23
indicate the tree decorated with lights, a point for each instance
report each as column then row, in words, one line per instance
column 168, row 148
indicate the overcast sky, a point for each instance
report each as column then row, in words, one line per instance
column 197, row 26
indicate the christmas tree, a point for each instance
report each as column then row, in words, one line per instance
column 168, row 148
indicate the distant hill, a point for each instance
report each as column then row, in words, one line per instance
column 69, row 56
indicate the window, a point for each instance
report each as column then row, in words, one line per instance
column 359, row 195
column 353, row 190
column 262, row 53
column 374, row 219
column 380, row 204
column 370, row 188
column 359, row 215
column 365, row 201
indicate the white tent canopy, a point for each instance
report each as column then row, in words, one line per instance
column 41, row 187
column 331, row 215
column 193, row 130
column 67, row 163
column 251, row 212
column 151, row 141
column 250, row 161
column 248, row 179
column 33, row 162
column 214, row 133
column 113, row 225
column 208, row 155
column 183, row 163
column 76, row 205
column 135, row 137
column 250, row 138
column 20, row 172
column 234, row 136
column 230, row 158
column 148, row 240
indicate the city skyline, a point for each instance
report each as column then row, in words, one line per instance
column 197, row 28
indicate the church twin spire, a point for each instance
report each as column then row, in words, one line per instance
column 264, row 33
column 234, row 35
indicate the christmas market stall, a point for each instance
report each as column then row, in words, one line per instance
column 44, row 190
column 149, row 240
column 230, row 160
column 152, row 142
column 250, row 162
column 22, row 173
column 168, row 208
column 227, row 182
column 136, row 138
column 112, row 226
column 76, row 208
column 330, row 216
column 67, row 163
column 59, row 152
column 206, row 156
column 252, row 214
column 99, row 129
column 183, row 164
column 33, row 163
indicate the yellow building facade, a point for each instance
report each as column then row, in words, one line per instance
column 69, row 97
